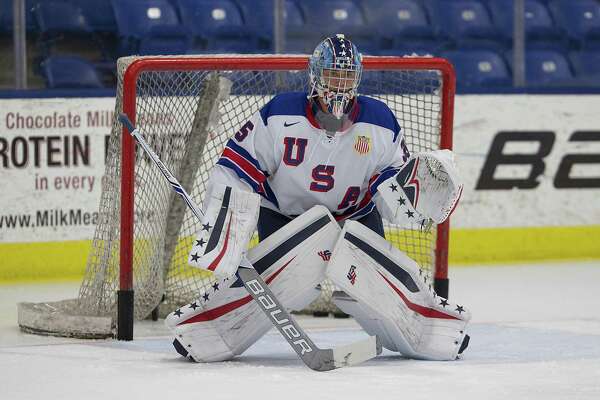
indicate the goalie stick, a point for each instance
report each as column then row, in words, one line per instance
column 314, row 357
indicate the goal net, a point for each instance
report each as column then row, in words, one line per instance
column 187, row 107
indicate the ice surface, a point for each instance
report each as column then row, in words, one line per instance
column 535, row 335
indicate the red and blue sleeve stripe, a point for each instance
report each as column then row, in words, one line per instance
column 247, row 168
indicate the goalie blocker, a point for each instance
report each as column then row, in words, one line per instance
column 227, row 227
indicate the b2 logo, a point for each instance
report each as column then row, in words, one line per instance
column 535, row 161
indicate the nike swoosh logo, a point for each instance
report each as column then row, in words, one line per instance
column 293, row 123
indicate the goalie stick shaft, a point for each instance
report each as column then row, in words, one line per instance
column 314, row 357
column 161, row 166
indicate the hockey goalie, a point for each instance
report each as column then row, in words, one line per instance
column 315, row 173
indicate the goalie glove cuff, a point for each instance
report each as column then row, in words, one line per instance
column 428, row 186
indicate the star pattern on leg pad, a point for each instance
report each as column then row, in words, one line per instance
column 410, row 214
column 444, row 303
column 401, row 201
column 193, row 306
column 195, row 257
column 178, row 313
column 200, row 242
column 215, row 286
column 205, row 296
column 459, row 309
column 206, row 227
column 394, row 187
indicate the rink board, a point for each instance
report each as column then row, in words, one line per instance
column 67, row 260
column 52, row 163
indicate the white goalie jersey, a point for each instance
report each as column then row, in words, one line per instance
column 282, row 154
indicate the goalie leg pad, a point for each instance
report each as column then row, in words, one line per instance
column 225, row 321
column 391, row 297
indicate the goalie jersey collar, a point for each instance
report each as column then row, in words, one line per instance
column 366, row 109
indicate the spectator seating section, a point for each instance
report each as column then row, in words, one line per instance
column 217, row 26
column 580, row 19
column 547, row 68
column 402, row 27
column 473, row 34
column 483, row 68
column 6, row 16
column 258, row 16
column 586, row 64
column 540, row 30
column 61, row 22
column 327, row 17
column 66, row 72
column 149, row 27
column 466, row 23
column 98, row 14
column 58, row 17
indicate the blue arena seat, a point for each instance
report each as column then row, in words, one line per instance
column 60, row 17
column 466, row 22
column 540, row 29
column 328, row 17
column 547, row 68
column 6, row 15
column 99, row 15
column 150, row 27
column 217, row 26
column 258, row 16
column 402, row 26
column 479, row 68
column 63, row 28
column 581, row 20
column 67, row 72
column 586, row 64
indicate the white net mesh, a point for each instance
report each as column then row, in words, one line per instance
column 186, row 117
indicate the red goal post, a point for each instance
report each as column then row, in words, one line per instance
column 187, row 107
column 258, row 63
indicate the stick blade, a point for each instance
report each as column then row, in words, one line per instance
column 356, row 353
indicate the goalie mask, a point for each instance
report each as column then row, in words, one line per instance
column 335, row 69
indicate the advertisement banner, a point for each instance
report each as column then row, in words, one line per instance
column 52, row 155
column 528, row 160
column 531, row 166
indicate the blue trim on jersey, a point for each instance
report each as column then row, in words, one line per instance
column 352, row 213
column 363, row 211
column 240, row 173
column 291, row 103
column 269, row 194
column 245, row 154
column 264, row 190
column 385, row 174
column 373, row 111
